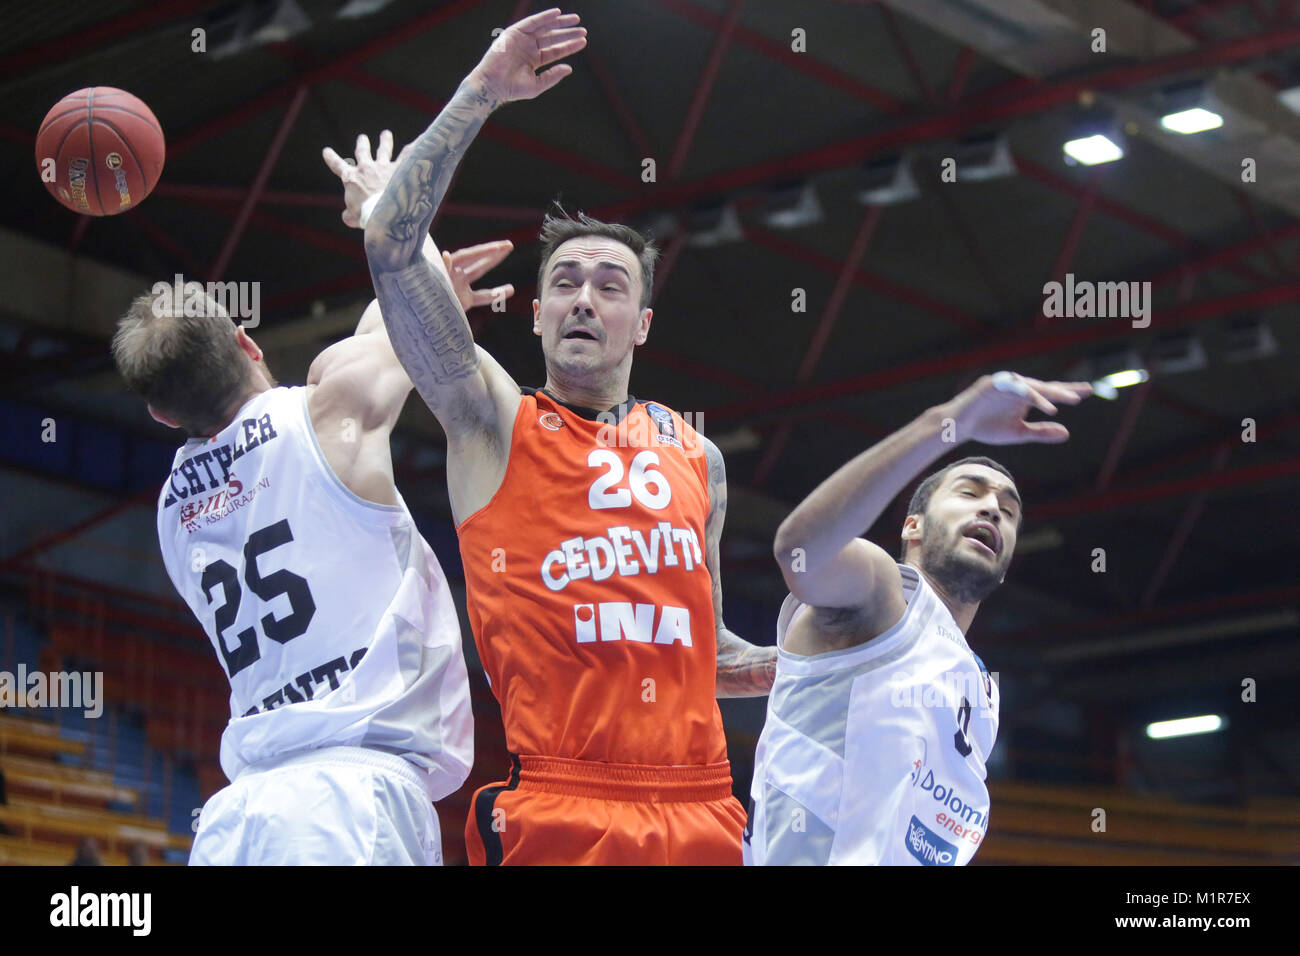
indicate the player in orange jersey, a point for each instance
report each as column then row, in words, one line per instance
column 589, row 523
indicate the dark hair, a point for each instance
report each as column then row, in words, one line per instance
column 189, row 367
column 921, row 497
column 557, row 230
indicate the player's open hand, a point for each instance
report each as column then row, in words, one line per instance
column 993, row 409
column 466, row 266
column 364, row 175
column 508, row 71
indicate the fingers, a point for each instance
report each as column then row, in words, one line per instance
column 552, row 76
column 362, row 151
column 476, row 260
column 1072, row 393
column 547, row 19
column 1050, row 433
column 558, row 51
column 385, row 151
column 1040, row 402
column 337, row 164
column 488, row 296
column 1022, row 387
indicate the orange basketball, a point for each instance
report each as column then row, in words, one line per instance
column 100, row 151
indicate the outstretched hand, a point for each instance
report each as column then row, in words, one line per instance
column 466, row 266
column 508, row 71
column 993, row 410
column 365, row 175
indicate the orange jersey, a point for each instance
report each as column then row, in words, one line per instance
column 587, row 590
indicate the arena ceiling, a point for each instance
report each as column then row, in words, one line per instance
column 906, row 303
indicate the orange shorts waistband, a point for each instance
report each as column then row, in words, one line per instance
column 643, row 783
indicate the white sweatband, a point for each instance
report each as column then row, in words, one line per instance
column 1006, row 382
column 368, row 207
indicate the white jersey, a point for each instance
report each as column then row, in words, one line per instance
column 875, row 754
column 329, row 613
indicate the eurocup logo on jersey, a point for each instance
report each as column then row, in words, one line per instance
column 634, row 431
column 663, row 420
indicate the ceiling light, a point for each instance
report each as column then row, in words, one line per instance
column 1185, row 726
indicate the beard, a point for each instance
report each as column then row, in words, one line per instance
column 961, row 575
column 261, row 364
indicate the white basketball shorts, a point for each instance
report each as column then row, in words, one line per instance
column 337, row 806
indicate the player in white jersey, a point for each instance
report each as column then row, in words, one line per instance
column 281, row 527
column 881, row 717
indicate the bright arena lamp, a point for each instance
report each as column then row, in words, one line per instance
column 1185, row 726
column 1093, row 150
column 1108, row 385
column 1195, row 120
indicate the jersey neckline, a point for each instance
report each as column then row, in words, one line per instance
column 619, row 411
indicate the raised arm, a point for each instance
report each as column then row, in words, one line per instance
column 425, row 322
column 362, row 377
column 825, row 563
column 744, row 669
column 357, row 387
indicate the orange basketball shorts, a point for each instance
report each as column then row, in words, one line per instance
column 555, row 811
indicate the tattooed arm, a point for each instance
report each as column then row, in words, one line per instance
column 471, row 395
column 744, row 670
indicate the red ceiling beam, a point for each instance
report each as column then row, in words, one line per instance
column 1267, row 427
column 70, row 46
column 1119, row 441
column 666, row 263
column 431, row 107
column 1199, row 609
column 348, row 282
column 1073, row 236
column 828, row 264
column 1280, row 271
column 960, row 74
column 163, row 240
column 1202, row 9
column 272, row 197
column 78, row 232
column 989, row 107
column 328, row 71
column 695, row 111
column 1132, row 218
column 905, row 52
column 609, row 88
column 780, row 52
column 1191, row 514
column 1116, row 498
column 272, row 157
column 1006, row 349
column 63, row 535
column 821, row 335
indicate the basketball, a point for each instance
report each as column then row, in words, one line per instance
column 100, row 151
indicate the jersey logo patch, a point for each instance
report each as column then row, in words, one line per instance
column 663, row 420
column 926, row 845
column 550, row 421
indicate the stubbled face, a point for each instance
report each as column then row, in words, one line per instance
column 968, row 533
column 588, row 313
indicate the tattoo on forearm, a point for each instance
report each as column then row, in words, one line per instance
column 744, row 669
column 421, row 180
column 425, row 322
column 426, row 327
